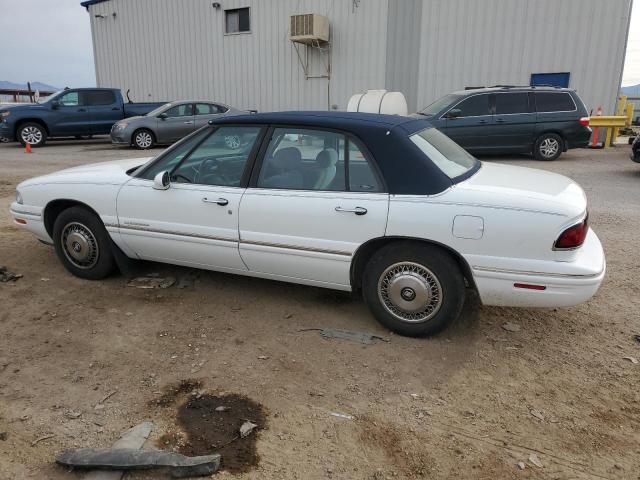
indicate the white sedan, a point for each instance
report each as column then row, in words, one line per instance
column 385, row 205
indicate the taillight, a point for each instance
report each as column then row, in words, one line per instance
column 573, row 237
column 584, row 121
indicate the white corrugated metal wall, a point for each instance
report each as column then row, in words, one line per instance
column 489, row 42
column 172, row 49
column 169, row 49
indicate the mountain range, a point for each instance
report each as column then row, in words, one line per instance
column 23, row 86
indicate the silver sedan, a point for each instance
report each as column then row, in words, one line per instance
column 167, row 124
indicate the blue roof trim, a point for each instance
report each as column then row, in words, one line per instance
column 87, row 3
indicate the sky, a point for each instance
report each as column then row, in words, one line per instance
column 50, row 41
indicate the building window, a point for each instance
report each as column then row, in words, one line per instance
column 237, row 20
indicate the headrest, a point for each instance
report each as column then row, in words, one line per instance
column 287, row 158
column 327, row 158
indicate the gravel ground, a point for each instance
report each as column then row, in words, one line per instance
column 470, row 403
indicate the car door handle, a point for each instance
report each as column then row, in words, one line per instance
column 188, row 123
column 357, row 210
column 115, row 109
column 220, row 201
column 500, row 120
column 482, row 121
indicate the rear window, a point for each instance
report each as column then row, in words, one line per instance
column 554, row 102
column 447, row 155
column 99, row 97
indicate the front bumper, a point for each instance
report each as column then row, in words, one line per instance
column 565, row 283
column 120, row 137
column 30, row 218
column 6, row 132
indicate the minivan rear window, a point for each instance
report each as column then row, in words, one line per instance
column 554, row 102
column 446, row 154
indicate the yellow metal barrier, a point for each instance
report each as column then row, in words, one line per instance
column 613, row 123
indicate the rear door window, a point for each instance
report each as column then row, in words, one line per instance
column 510, row 103
column 554, row 102
column 100, row 97
column 475, row 106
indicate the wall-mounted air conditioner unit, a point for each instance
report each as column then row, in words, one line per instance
column 309, row 29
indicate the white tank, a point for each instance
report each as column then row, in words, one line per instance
column 379, row 101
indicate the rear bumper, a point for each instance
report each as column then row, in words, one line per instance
column 565, row 283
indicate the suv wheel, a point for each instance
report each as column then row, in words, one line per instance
column 548, row 146
column 32, row 133
column 414, row 290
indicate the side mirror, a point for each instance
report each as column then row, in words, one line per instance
column 454, row 113
column 55, row 104
column 162, row 116
column 162, row 181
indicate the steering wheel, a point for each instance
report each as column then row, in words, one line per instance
column 179, row 175
column 208, row 172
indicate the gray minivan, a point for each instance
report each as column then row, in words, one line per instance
column 543, row 121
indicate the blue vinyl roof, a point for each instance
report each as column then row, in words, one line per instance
column 405, row 168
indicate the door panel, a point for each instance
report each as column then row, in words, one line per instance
column 514, row 122
column 470, row 129
column 71, row 116
column 104, row 110
column 183, row 225
column 300, row 234
column 178, row 123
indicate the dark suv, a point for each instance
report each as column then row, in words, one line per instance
column 543, row 121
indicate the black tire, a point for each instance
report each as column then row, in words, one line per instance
column 548, row 147
column 32, row 133
column 414, row 266
column 143, row 139
column 86, row 236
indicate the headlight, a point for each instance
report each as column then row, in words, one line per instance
column 5, row 114
column 19, row 197
column 121, row 126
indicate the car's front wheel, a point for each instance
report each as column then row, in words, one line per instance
column 412, row 289
column 548, row 146
column 32, row 133
column 82, row 244
column 143, row 139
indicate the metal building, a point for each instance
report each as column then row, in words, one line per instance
column 239, row 51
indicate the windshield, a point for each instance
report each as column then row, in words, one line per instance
column 446, row 154
column 158, row 110
column 439, row 105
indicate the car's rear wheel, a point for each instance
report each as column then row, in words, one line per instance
column 32, row 133
column 82, row 244
column 143, row 139
column 414, row 290
column 548, row 147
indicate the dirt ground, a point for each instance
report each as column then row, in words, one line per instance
column 469, row 403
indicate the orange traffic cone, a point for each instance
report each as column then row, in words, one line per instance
column 27, row 148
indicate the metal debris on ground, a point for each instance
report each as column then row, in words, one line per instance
column 537, row 414
column 179, row 466
column 132, row 438
column 631, row 359
column 521, row 465
column 533, row 458
column 511, row 327
column 357, row 337
column 41, row 439
column 246, row 428
column 341, row 415
column 7, row 276
column 150, row 282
